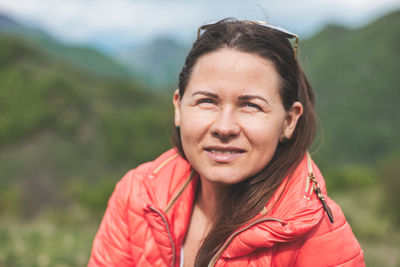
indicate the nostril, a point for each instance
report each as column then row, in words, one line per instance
column 226, row 131
column 224, row 136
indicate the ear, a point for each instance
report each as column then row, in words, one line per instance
column 176, row 101
column 292, row 116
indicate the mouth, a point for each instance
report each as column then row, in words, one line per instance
column 224, row 154
column 224, row 151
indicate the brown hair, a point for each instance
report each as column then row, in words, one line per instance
column 247, row 198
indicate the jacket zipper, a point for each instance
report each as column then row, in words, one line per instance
column 169, row 234
column 229, row 240
column 317, row 189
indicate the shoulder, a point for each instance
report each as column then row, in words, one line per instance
column 124, row 216
column 321, row 243
column 148, row 182
column 147, row 169
column 331, row 244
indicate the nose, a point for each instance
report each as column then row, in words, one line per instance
column 225, row 126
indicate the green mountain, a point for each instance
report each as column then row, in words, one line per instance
column 63, row 129
column 158, row 62
column 354, row 73
column 85, row 58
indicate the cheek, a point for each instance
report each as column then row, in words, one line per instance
column 264, row 134
column 193, row 125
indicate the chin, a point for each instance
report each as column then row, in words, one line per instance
column 226, row 178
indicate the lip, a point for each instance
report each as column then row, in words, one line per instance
column 224, row 154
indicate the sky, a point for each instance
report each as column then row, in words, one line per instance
column 122, row 23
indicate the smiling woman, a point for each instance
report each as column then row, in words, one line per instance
column 240, row 188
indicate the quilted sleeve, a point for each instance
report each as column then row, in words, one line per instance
column 111, row 246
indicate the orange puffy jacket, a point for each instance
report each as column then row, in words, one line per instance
column 148, row 215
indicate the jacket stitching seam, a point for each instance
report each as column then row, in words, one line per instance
column 328, row 233
column 352, row 258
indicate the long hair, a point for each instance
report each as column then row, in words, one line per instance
column 247, row 198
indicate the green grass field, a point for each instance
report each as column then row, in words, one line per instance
column 46, row 241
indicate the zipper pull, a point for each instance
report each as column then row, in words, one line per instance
column 321, row 197
column 317, row 189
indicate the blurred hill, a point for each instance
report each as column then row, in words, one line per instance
column 355, row 76
column 159, row 61
column 82, row 57
column 61, row 125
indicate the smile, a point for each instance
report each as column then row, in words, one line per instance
column 223, row 151
column 224, row 155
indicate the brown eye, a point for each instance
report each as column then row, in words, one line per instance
column 252, row 106
column 205, row 101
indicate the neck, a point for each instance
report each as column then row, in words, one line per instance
column 208, row 198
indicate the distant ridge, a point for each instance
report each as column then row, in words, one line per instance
column 355, row 76
column 158, row 61
column 6, row 22
column 83, row 57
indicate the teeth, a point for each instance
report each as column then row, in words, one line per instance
column 223, row 151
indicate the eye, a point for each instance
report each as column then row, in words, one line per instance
column 251, row 106
column 205, row 101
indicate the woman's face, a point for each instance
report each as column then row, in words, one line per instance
column 231, row 115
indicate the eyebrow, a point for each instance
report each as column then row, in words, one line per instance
column 206, row 93
column 241, row 98
column 250, row 97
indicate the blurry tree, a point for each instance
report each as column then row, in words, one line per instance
column 389, row 177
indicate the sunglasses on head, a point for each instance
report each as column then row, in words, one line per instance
column 288, row 34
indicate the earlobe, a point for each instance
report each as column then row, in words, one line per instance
column 176, row 101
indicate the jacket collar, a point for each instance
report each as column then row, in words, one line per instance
column 170, row 189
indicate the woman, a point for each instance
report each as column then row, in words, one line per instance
column 239, row 189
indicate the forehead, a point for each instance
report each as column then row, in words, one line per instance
column 229, row 70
